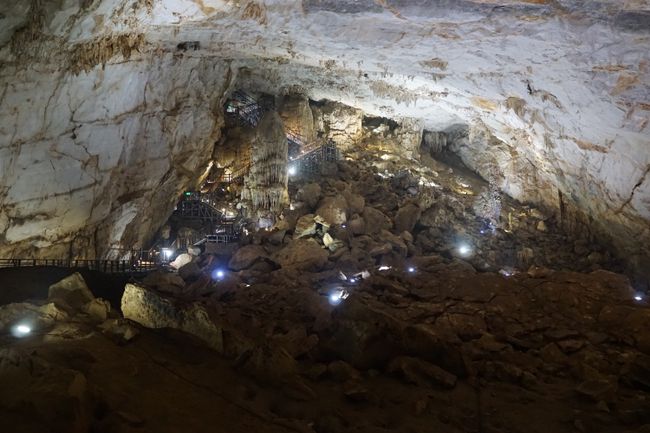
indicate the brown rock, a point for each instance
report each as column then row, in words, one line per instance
column 406, row 217
column 341, row 371
column 421, row 372
column 376, row 220
column 302, row 254
column 71, row 293
column 246, row 256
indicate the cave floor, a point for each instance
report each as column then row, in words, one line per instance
column 559, row 352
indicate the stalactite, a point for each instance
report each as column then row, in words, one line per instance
column 435, row 141
column 266, row 183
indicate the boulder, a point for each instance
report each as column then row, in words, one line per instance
column 598, row 389
column 425, row 342
column 356, row 202
column 98, row 310
column 181, row 260
column 305, row 226
column 422, row 373
column 331, row 243
column 357, row 226
column 120, row 330
column 190, row 271
column 333, row 209
column 71, row 293
column 406, row 217
column 246, row 256
column 302, row 254
column 164, row 281
column 35, row 316
column 42, row 394
column 376, row 220
column 341, row 371
column 310, row 194
column 154, row 310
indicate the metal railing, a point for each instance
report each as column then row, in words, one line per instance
column 314, row 158
column 107, row 266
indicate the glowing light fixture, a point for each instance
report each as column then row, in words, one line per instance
column 638, row 298
column 464, row 250
column 21, row 330
column 411, row 269
column 292, row 170
column 337, row 296
column 188, row 193
column 218, row 274
column 167, row 253
column 384, row 268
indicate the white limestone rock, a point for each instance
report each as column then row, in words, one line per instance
column 153, row 310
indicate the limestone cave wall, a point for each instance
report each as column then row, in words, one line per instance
column 108, row 107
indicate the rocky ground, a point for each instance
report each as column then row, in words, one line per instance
column 359, row 312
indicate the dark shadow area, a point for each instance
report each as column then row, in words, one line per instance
column 32, row 283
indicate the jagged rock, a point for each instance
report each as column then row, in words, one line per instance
column 357, row 226
column 181, row 260
column 628, row 322
column 552, row 354
column 71, row 293
column 637, row 374
column 297, row 116
column 423, row 341
column 355, row 391
column 341, row 371
column 333, row 210
column 363, row 336
column 120, row 329
column 356, row 202
column 598, row 390
column 302, row 254
column 331, row 243
column 36, row 316
column 406, row 217
column 98, row 310
column 380, row 250
column 189, row 272
column 154, row 310
column 376, row 220
column 396, row 243
column 570, row 345
column 270, row 365
column 246, row 256
column 40, row 393
column 164, row 281
column 339, row 123
column 310, row 194
column 421, row 372
column 305, row 226
column 296, row 342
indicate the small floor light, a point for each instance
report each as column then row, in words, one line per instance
column 21, row 330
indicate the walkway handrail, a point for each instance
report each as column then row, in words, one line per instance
column 106, row 266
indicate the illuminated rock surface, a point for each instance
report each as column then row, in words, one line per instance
column 109, row 108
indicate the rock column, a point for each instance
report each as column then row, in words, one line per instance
column 265, row 187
